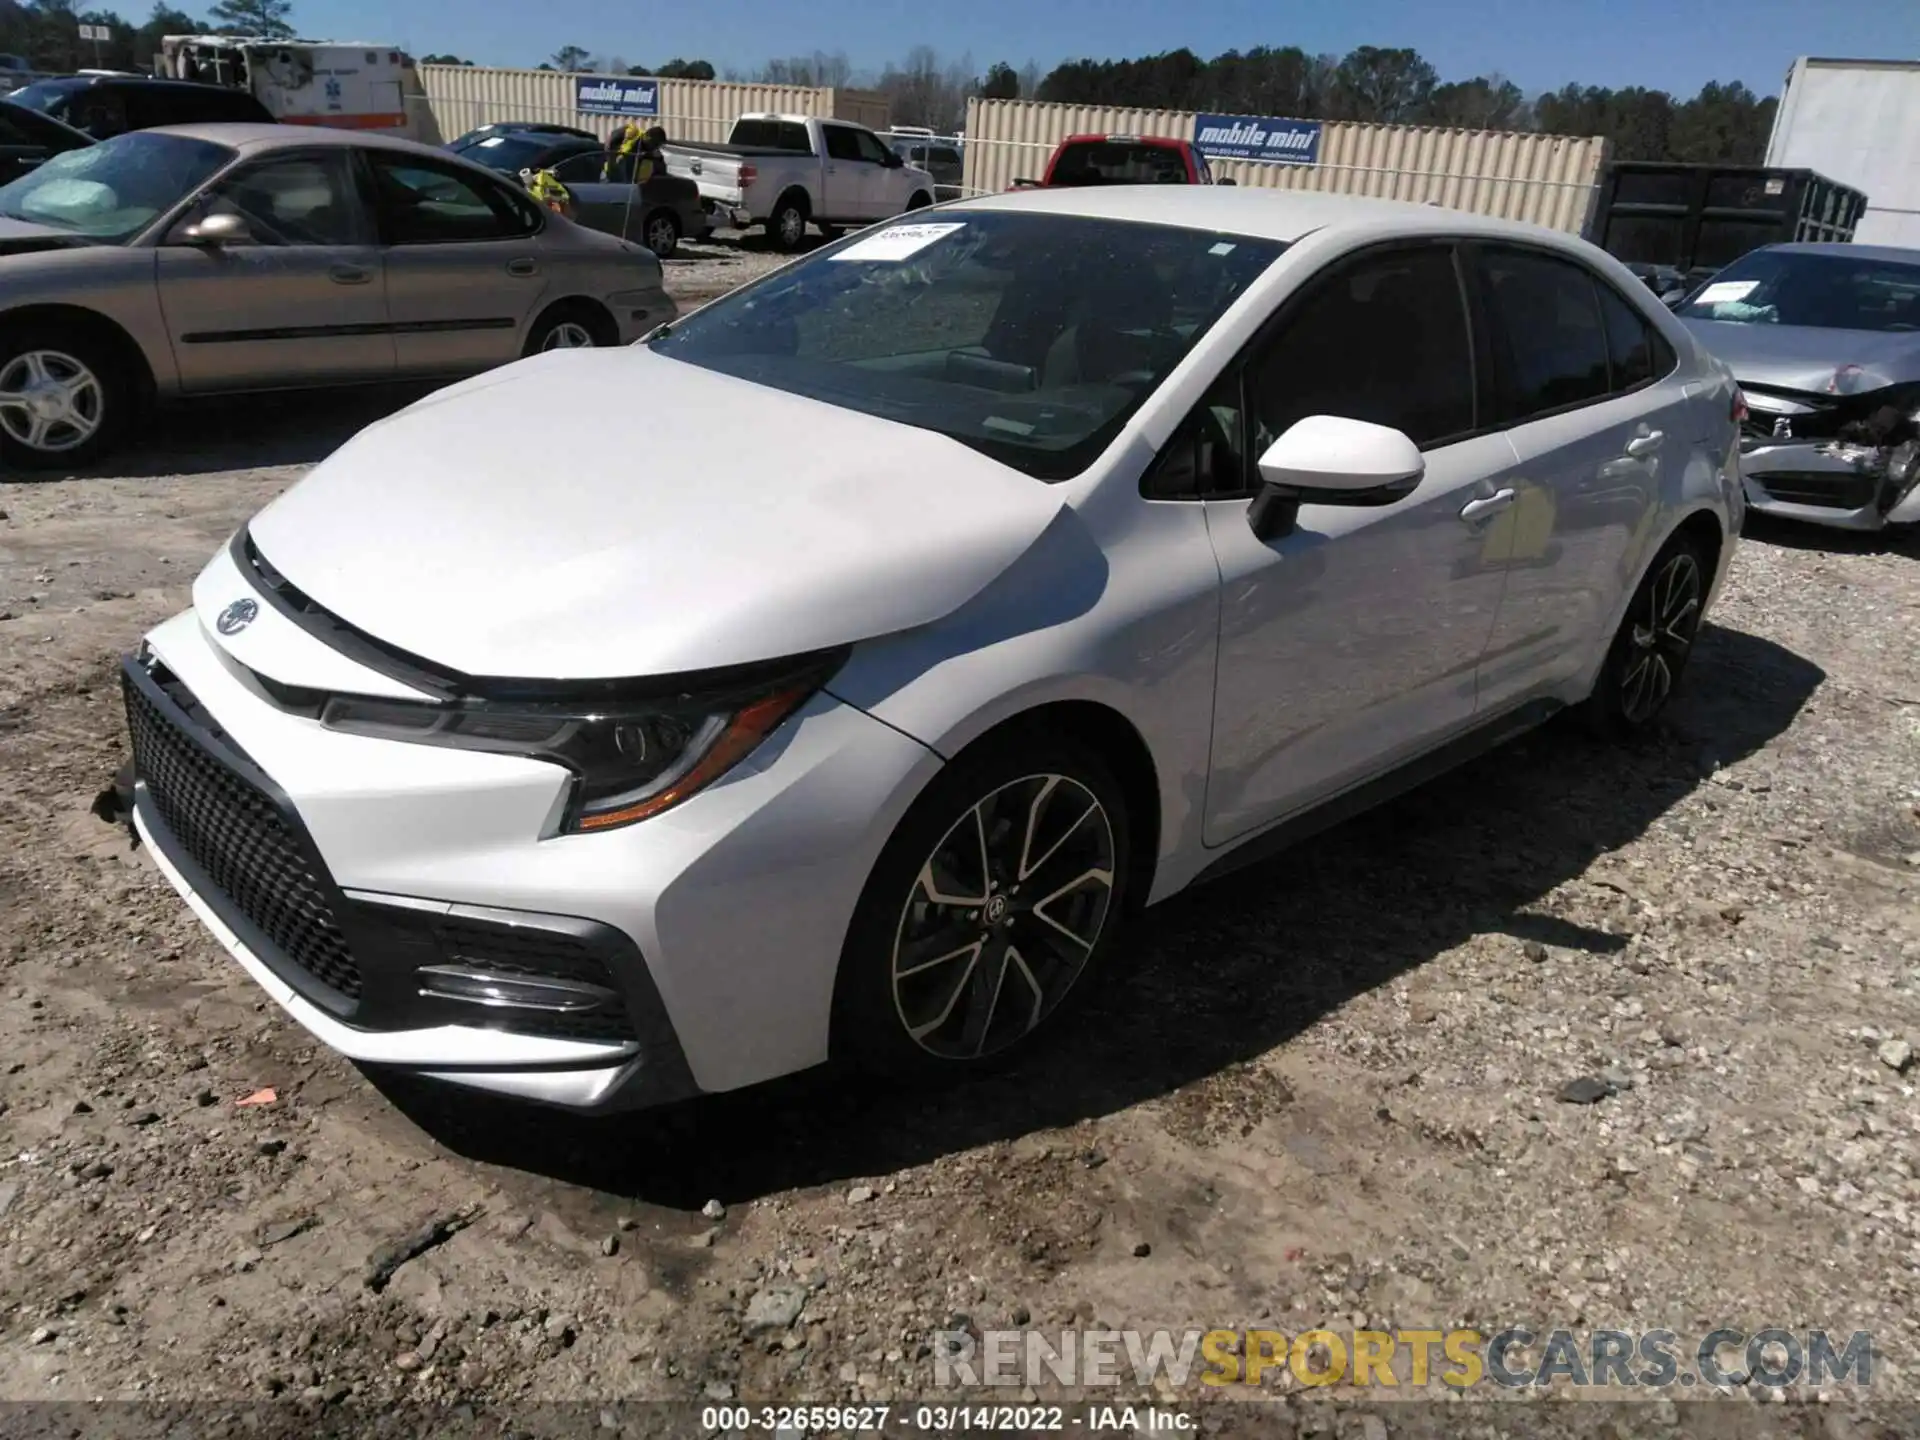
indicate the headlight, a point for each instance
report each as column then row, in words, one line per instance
column 630, row 758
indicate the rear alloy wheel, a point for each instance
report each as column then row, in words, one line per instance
column 1655, row 641
column 570, row 327
column 61, row 400
column 988, row 909
column 787, row 225
column 662, row 234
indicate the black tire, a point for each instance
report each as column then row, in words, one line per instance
column 561, row 326
column 83, row 396
column 662, row 226
column 1649, row 655
column 919, row 200
column 787, row 225
column 890, row 986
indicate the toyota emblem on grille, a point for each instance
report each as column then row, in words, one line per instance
column 236, row 617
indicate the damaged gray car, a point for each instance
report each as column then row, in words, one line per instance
column 1825, row 342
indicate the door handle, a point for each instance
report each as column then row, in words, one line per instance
column 522, row 267
column 349, row 275
column 1643, row 445
column 1475, row 510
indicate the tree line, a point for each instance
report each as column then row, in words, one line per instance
column 1723, row 123
column 47, row 32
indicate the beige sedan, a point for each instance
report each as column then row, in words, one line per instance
column 219, row 259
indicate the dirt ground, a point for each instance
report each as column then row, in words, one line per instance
column 1324, row 1091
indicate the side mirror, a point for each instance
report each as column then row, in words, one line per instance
column 1022, row 184
column 894, row 162
column 1330, row 460
column 217, row 230
column 1226, row 180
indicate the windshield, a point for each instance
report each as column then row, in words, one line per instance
column 113, row 190
column 509, row 154
column 49, row 97
column 1817, row 289
column 1032, row 338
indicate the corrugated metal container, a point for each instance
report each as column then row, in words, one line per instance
column 456, row 98
column 1859, row 122
column 1546, row 179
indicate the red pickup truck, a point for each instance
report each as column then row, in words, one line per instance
column 1124, row 160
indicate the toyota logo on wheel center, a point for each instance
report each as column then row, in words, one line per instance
column 236, row 617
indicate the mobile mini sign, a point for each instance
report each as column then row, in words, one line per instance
column 1254, row 137
column 596, row 96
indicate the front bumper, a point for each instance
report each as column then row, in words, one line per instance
column 711, row 933
column 1807, row 480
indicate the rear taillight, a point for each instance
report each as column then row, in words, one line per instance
column 748, row 174
column 1739, row 406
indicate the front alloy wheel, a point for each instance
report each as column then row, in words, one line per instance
column 50, row 402
column 1665, row 617
column 1003, row 917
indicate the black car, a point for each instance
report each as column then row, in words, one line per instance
column 531, row 127
column 511, row 148
column 27, row 138
column 104, row 106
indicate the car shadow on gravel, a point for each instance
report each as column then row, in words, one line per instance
column 1212, row 978
column 254, row 432
column 1798, row 535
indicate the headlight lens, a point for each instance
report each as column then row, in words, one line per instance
column 630, row 759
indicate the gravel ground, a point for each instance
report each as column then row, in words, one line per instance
column 1332, row 1089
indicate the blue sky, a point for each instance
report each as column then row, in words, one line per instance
column 1540, row 44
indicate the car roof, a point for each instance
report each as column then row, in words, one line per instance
column 246, row 136
column 1892, row 253
column 127, row 82
column 1252, row 210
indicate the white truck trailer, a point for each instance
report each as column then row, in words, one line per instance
column 1857, row 121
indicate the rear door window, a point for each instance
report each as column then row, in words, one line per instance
column 1546, row 316
column 1637, row 354
column 424, row 204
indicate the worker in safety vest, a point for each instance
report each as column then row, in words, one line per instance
column 641, row 147
column 545, row 187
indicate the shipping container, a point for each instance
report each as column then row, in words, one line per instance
column 453, row 99
column 1698, row 218
column 1546, row 179
column 1859, row 122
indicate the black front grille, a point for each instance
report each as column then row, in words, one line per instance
column 237, row 835
column 1830, row 490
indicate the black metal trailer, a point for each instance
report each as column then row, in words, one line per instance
column 1696, row 219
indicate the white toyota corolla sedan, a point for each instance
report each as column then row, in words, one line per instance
column 1067, row 548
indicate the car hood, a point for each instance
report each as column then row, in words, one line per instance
column 1803, row 357
column 613, row 513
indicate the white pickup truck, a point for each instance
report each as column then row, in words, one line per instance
column 788, row 171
